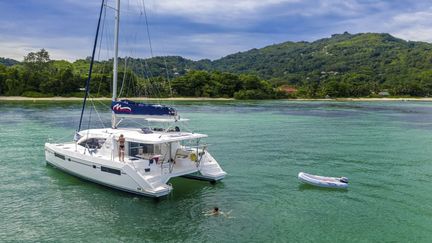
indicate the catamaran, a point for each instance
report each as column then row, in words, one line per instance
column 140, row 160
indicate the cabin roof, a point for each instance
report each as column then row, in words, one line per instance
column 137, row 135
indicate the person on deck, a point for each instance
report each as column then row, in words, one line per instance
column 121, row 142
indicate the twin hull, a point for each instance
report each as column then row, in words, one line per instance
column 113, row 174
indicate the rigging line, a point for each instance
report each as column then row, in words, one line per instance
column 89, row 120
column 145, row 68
column 109, row 42
column 99, row 53
column 111, row 7
column 131, row 77
column 124, row 76
column 91, row 65
column 125, row 62
column 100, row 102
column 128, row 88
column 148, row 29
column 140, row 3
column 150, row 80
column 127, row 76
column 97, row 113
column 102, row 34
column 166, row 68
column 130, row 83
column 167, row 76
column 141, row 124
column 156, row 89
column 185, row 125
column 63, row 139
column 88, row 131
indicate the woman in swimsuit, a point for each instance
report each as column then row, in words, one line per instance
column 121, row 142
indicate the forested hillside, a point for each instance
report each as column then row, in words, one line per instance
column 343, row 65
column 38, row 76
column 8, row 61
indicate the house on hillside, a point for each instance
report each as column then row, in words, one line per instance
column 384, row 93
column 288, row 89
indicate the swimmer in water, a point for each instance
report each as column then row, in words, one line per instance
column 214, row 212
column 217, row 212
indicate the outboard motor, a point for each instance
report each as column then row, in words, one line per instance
column 344, row 180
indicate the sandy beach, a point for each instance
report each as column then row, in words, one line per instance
column 58, row 98
column 369, row 99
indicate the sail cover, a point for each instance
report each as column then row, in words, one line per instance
column 127, row 107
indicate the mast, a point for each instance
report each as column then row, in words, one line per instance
column 116, row 34
column 91, row 68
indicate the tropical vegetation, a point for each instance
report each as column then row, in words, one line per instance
column 344, row 65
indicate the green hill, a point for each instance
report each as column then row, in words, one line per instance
column 344, row 65
column 8, row 62
column 379, row 57
column 367, row 62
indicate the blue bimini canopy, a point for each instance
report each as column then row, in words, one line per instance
column 127, row 107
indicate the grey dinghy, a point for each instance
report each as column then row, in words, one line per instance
column 322, row 181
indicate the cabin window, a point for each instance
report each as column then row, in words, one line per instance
column 109, row 170
column 93, row 143
column 143, row 149
column 59, row 156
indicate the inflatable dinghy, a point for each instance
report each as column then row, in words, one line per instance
column 322, row 181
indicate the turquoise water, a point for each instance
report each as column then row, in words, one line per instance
column 383, row 147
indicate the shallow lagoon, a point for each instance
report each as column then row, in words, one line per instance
column 383, row 147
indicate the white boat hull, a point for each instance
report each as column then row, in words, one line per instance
column 140, row 160
column 322, row 181
column 135, row 177
column 92, row 171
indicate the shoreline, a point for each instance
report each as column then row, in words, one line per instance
column 369, row 99
column 59, row 98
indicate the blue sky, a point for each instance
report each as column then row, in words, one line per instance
column 200, row 29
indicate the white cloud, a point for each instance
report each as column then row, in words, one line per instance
column 68, row 48
column 215, row 45
column 415, row 26
column 225, row 12
column 421, row 33
column 413, row 18
column 235, row 25
column 214, row 11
